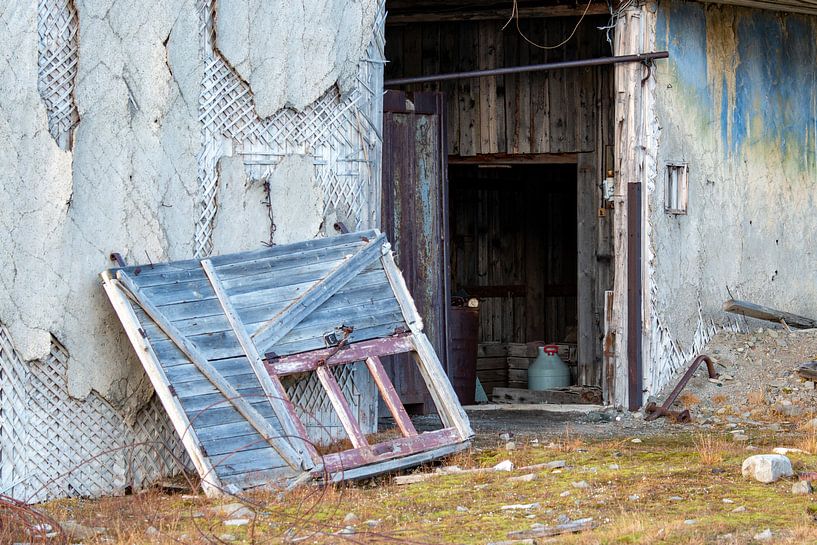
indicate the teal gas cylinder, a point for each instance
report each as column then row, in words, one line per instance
column 548, row 370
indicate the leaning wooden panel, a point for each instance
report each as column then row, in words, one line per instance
column 219, row 336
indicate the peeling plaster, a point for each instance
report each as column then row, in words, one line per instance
column 265, row 41
column 737, row 100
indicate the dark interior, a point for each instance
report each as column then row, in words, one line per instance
column 513, row 245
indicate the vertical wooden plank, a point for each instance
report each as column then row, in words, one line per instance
column 210, row 482
column 487, row 87
column 512, row 94
column 449, row 62
column 539, row 88
column 469, row 92
column 390, row 397
column 586, row 227
column 534, row 261
column 430, row 53
column 450, row 410
column 341, row 406
column 560, row 124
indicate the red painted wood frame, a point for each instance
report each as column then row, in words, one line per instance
column 370, row 352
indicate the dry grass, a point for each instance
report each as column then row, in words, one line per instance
column 720, row 399
column 756, row 398
column 808, row 441
column 689, row 400
column 656, row 470
column 711, row 448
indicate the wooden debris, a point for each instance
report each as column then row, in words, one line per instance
column 573, row 527
column 456, row 470
column 588, row 395
column 766, row 313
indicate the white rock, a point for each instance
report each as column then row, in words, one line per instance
column 741, row 509
column 636, row 440
column 236, row 522
column 351, row 518
column 784, row 451
column 727, row 500
column 613, row 467
column 767, row 468
column 801, row 487
column 505, row 465
column 690, row 522
column 765, row 535
column 524, row 478
column 462, row 509
column 565, row 494
column 515, row 506
column 580, row 484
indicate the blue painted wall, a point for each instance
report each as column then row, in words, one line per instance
column 737, row 102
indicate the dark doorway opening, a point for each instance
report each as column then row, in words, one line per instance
column 513, row 232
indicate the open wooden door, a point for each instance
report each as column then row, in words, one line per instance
column 414, row 205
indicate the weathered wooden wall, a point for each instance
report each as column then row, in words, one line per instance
column 538, row 112
column 513, row 244
column 557, row 116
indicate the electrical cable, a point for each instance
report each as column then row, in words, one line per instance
column 515, row 15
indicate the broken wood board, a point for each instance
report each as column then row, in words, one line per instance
column 587, row 395
column 769, row 314
column 216, row 336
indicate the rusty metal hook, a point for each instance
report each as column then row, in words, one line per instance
column 653, row 411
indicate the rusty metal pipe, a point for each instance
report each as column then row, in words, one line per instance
column 601, row 61
column 653, row 411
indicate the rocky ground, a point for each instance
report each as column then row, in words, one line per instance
column 532, row 476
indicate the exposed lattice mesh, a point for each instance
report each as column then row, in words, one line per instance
column 343, row 134
column 13, row 424
column 84, row 447
column 315, row 409
column 57, row 27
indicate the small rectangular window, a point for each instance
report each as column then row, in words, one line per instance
column 677, row 189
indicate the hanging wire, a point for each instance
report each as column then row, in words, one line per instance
column 515, row 15
column 615, row 14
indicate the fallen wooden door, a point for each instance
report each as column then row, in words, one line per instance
column 413, row 218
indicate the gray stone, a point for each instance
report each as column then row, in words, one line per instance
column 767, row 468
column 801, row 487
column 765, row 535
column 580, row 484
column 350, row 518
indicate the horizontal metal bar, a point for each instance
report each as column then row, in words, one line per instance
column 601, row 61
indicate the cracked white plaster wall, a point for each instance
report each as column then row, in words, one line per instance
column 242, row 215
column 127, row 185
column 267, row 41
column 296, row 199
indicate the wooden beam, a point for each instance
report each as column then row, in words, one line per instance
column 390, row 397
column 282, row 323
column 270, row 383
column 408, row 17
column 387, row 450
column 401, row 292
column 264, row 429
column 445, row 399
column 760, row 312
column 342, row 408
column 309, row 361
column 516, row 159
column 210, row 482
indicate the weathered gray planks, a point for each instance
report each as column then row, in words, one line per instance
column 229, row 405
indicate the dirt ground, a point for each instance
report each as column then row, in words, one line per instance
column 638, row 482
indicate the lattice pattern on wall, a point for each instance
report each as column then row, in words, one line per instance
column 315, row 409
column 13, row 421
column 65, row 447
column 58, row 27
column 343, row 134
